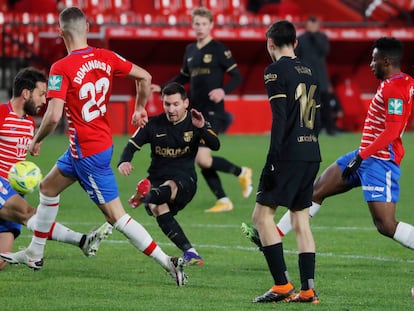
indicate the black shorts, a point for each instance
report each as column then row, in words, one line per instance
column 187, row 187
column 293, row 185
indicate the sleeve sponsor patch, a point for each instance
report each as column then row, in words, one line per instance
column 269, row 77
column 395, row 106
column 54, row 83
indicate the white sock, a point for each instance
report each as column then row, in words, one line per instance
column 45, row 216
column 193, row 250
column 284, row 226
column 141, row 239
column 224, row 200
column 58, row 232
column 404, row 234
column 314, row 209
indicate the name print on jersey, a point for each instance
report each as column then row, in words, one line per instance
column 88, row 66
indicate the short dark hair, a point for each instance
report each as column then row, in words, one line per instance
column 27, row 78
column 71, row 13
column 313, row 19
column 282, row 33
column 174, row 88
column 391, row 48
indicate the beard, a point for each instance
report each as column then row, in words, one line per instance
column 30, row 107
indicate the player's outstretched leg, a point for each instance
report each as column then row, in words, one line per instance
column 23, row 257
column 143, row 188
column 94, row 238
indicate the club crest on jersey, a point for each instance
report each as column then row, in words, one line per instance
column 54, row 83
column 227, row 54
column 395, row 106
column 207, row 58
column 188, row 136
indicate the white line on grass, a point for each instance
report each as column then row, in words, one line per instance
column 371, row 228
column 243, row 248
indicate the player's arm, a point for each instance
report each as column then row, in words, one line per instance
column 235, row 79
column 392, row 131
column 229, row 65
column 143, row 91
column 278, row 105
column 395, row 121
column 208, row 136
column 134, row 144
column 49, row 123
column 278, row 101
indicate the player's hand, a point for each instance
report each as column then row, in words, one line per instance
column 140, row 117
column 155, row 88
column 352, row 167
column 216, row 95
column 34, row 148
column 197, row 118
column 125, row 168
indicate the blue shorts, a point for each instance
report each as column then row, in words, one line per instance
column 6, row 191
column 378, row 178
column 94, row 174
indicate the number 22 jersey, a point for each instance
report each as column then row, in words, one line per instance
column 83, row 79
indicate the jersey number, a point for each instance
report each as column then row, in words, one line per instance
column 307, row 105
column 94, row 108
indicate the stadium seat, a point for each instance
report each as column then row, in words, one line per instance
column 349, row 95
column 246, row 19
column 281, row 9
column 216, row 6
column 127, row 18
column 119, row 6
column 222, row 20
column 94, row 7
column 166, row 7
column 4, row 7
column 187, row 6
column 236, row 7
column 71, row 3
column 267, row 19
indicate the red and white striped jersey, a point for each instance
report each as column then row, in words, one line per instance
column 16, row 134
column 83, row 79
column 388, row 114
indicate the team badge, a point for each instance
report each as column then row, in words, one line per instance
column 54, row 83
column 395, row 106
column 227, row 54
column 207, row 58
column 188, row 136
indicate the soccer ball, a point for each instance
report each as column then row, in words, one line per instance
column 25, row 177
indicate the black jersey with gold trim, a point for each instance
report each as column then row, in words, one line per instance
column 294, row 98
column 173, row 145
column 205, row 69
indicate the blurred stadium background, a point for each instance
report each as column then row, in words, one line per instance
column 154, row 33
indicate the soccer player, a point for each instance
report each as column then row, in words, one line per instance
column 375, row 165
column 175, row 137
column 292, row 163
column 81, row 84
column 17, row 128
column 205, row 64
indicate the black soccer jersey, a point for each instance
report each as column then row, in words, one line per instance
column 294, row 99
column 205, row 68
column 174, row 146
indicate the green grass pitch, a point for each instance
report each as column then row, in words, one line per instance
column 357, row 268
